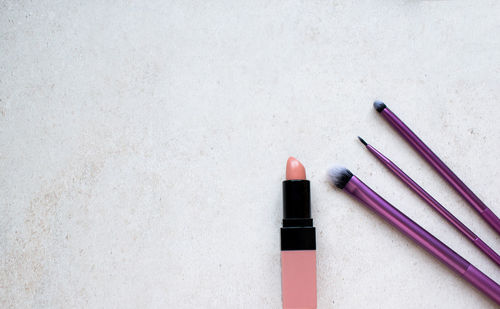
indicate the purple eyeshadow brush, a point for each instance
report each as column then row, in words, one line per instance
column 433, row 203
column 438, row 165
column 342, row 178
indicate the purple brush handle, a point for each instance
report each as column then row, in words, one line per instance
column 423, row 238
column 435, row 204
column 442, row 169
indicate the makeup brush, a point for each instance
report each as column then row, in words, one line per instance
column 438, row 165
column 342, row 178
column 433, row 203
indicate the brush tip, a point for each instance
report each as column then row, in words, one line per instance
column 379, row 106
column 339, row 176
column 362, row 141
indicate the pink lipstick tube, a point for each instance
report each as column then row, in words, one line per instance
column 298, row 244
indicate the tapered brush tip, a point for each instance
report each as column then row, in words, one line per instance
column 339, row 176
column 379, row 106
column 362, row 141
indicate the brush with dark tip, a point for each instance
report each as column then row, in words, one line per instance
column 438, row 165
column 448, row 216
column 343, row 179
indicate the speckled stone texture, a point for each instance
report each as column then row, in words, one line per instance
column 143, row 144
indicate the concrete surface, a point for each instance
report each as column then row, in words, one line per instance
column 143, row 144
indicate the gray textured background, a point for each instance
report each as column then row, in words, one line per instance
column 143, row 144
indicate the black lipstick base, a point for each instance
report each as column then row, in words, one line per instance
column 297, row 232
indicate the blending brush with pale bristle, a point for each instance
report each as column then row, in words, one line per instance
column 448, row 216
column 342, row 178
column 438, row 165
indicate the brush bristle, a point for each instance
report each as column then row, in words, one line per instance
column 339, row 176
column 362, row 141
column 379, row 106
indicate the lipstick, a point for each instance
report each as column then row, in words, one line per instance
column 298, row 241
